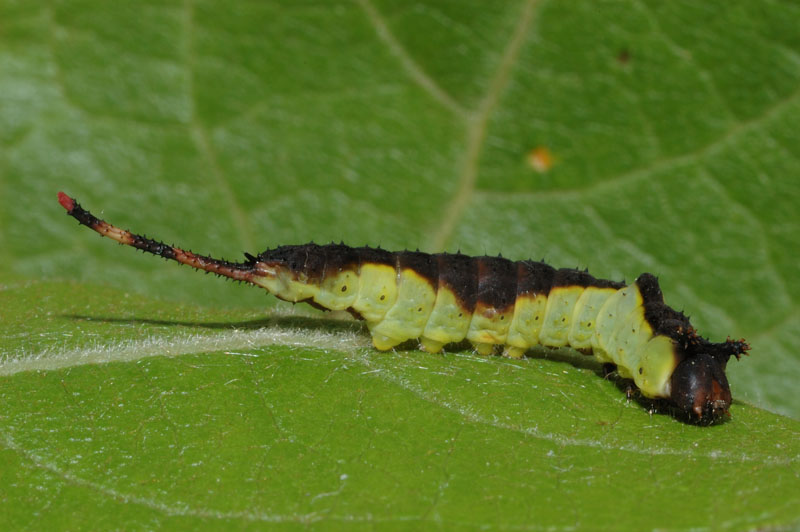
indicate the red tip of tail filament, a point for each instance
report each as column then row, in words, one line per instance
column 66, row 202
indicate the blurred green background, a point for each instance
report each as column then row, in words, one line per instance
column 618, row 136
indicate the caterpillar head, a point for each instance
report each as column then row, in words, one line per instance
column 700, row 388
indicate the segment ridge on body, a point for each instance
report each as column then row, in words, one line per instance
column 490, row 301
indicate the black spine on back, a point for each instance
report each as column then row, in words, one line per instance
column 422, row 263
column 497, row 282
column 663, row 319
column 570, row 277
column 367, row 254
column 314, row 266
column 294, row 257
column 534, row 277
column 339, row 257
column 458, row 273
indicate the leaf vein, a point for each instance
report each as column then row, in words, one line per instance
column 476, row 131
column 688, row 57
column 411, row 67
column 661, row 164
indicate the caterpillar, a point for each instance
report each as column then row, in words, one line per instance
column 490, row 301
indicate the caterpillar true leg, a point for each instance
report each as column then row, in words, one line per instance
column 490, row 301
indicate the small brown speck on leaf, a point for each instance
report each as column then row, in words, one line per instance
column 540, row 159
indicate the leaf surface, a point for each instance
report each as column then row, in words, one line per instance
column 196, row 418
column 618, row 136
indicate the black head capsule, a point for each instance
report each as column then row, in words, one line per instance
column 700, row 388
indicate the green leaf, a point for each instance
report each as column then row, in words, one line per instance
column 670, row 133
column 148, row 414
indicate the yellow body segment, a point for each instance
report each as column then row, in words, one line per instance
column 656, row 365
column 448, row 321
column 406, row 319
column 558, row 315
column 527, row 321
column 377, row 291
column 288, row 285
column 610, row 316
column 584, row 317
column 628, row 323
column 489, row 326
column 629, row 340
column 338, row 290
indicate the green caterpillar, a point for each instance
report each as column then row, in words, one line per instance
column 489, row 301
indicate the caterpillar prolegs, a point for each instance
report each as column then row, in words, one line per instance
column 490, row 301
